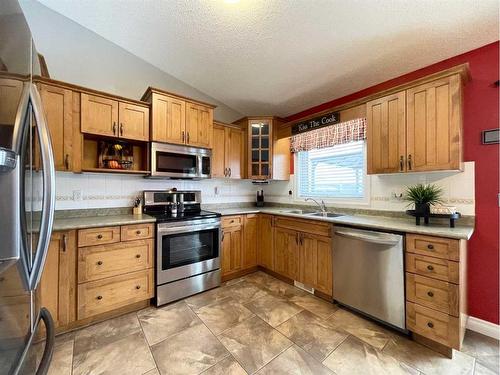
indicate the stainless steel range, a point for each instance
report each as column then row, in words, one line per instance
column 187, row 244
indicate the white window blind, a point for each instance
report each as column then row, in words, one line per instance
column 332, row 172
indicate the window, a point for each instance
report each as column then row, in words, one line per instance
column 336, row 172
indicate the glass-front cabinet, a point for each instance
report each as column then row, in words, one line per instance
column 260, row 149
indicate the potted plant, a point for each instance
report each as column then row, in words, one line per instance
column 422, row 196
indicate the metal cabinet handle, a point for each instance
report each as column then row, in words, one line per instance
column 430, row 294
column 430, row 246
column 121, row 128
column 229, row 172
column 65, row 243
column 222, row 239
column 225, row 172
column 430, row 324
column 187, row 137
column 138, row 256
column 99, row 236
column 183, row 136
column 114, row 127
column 401, row 163
column 409, row 162
column 137, row 232
column 99, row 297
column 66, row 161
column 138, row 287
column 297, row 238
column 430, row 268
column 99, row 263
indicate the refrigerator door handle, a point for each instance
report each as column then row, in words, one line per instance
column 48, row 203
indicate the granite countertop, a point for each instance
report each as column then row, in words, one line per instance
column 398, row 224
column 67, row 223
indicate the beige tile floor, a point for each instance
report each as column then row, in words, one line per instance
column 257, row 324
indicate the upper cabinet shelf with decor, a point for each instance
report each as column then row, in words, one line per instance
column 179, row 120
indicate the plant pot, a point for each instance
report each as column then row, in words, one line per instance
column 423, row 209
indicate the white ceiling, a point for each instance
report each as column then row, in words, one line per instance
column 279, row 57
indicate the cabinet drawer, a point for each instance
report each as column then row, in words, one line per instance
column 231, row 221
column 98, row 236
column 445, row 248
column 136, row 232
column 434, row 325
column 97, row 297
column 308, row 226
column 436, row 294
column 435, row 268
column 98, row 262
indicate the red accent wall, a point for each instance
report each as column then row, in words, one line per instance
column 481, row 111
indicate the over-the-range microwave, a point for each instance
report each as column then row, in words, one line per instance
column 181, row 162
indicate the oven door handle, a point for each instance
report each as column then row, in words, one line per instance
column 186, row 229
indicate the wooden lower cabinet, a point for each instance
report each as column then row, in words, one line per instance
column 265, row 249
column 57, row 288
column 251, row 240
column 436, row 298
column 316, row 265
column 86, row 281
column 286, row 252
column 101, row 296
column 232, row 243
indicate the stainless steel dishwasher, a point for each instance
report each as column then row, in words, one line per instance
column 368, row 273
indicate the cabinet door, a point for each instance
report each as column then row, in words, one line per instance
column 199, row 125
column 99, row 115
column 434, row 125
column 169, row 119
column 58, row 107
column 260, row 149
column 134, row 122
column 10, row 95
column 265, row 253
column 219, row 152
column 251, row 238
column 231, row 250
column 308, row 260
column 234, row 152
column 57, row 288
column 386, row 134
column 286, row 252
column 324, row 279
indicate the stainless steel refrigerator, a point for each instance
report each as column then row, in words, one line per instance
column 26, row 201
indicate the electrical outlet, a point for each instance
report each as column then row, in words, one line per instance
column 216, row 190
column 77, row 195
column 396, row 196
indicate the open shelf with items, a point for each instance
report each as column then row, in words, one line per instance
column 109, row 155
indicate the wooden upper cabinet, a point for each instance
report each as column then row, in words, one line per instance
column 58, row 107
column 228, row 151
column 169, row 119
column 180, row 120
column 99, row 115
column 434, row 125
column 265, row 250
column 10, row 95
column 219, row 168
column 199, row 125
column 57, row 288
column 235, row 149
column 386, row 134
column 134, row 121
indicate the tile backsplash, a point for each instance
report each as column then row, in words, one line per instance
column 80, row 191
column 458, row 190
column 92, row 190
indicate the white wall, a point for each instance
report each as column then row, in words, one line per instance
column 77, row 55
column 458, row 190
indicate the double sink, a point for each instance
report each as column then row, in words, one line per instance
column 310, row 213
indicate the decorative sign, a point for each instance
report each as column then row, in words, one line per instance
column 491, row 136
column 316, row 123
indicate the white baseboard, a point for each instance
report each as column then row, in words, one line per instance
column 484, row 327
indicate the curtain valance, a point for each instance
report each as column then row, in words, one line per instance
column 344, row 132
